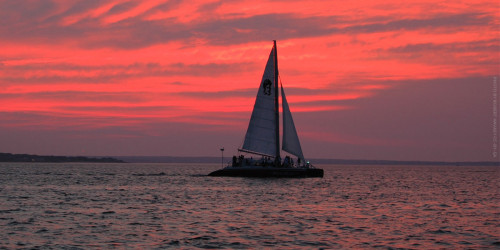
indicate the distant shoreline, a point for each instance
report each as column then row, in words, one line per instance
column 179, row 159
column 8, row 157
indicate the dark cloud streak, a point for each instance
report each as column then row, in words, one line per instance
column 122, row 7
column 110, row 73
column 484, row 45
column 72, row 96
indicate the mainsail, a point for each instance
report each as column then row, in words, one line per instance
column 291, row 143
column 261, row 133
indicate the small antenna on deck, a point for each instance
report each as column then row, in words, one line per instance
column 222, row 157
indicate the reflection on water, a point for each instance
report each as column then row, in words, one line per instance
column 176, row 205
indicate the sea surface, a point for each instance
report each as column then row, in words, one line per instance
column 160, row 206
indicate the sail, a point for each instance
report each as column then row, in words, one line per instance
column 291, row 143
column 261, row 133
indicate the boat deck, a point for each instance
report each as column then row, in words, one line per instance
column 268, row 172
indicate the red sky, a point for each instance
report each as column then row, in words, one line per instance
column 409, row 80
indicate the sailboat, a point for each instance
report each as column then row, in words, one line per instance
column 263, row 135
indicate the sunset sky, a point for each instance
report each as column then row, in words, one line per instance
column 395, row 80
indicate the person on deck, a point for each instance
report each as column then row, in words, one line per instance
column 286, row 162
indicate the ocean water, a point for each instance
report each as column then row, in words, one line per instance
column 177, row 206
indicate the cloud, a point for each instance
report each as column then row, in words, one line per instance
column 40, row 21
column 210, row 7
column 419, row 119
column 491, row 45
column 219, row 94
column 76, row 96
column 17, row 14
column 76, row 8
column 466, row 55
column 122, row 7
column 451, row 22
column 71, row 73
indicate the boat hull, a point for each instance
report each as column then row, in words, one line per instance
column 269, row 172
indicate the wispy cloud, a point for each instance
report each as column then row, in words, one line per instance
column 42, row 22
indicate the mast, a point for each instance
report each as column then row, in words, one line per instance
column 276, row 106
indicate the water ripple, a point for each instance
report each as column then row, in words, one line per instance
column 81, row 206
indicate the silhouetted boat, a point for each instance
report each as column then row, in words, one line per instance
column 262, row 137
